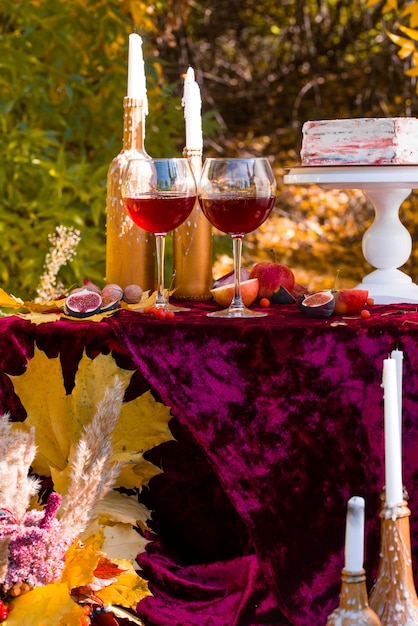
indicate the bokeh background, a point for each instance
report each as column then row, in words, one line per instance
column 263, row 69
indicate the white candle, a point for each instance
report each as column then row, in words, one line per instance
column 393, row 462
column 192, row 104
column 354, row 535
column 398, row 356
column 136, row 71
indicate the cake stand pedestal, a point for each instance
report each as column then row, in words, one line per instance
column 386, row 244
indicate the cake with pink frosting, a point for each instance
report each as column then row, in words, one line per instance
column 361, row 141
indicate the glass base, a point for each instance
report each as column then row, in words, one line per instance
column 176, row 308
column 167, row 306
column 234, row 313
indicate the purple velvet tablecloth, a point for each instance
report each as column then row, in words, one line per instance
column 277, row 422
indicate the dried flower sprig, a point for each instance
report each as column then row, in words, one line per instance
column 92, row 474
column 33, row 543
column 63, row 249
column 16, row 457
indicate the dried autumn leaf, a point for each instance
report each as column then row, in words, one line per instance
column 9, row 301
column 39, row 318
column 116, row 516
column 107, row 569
column 49, row 605
column 121, row 541
column 59, row 418
column 127, row 591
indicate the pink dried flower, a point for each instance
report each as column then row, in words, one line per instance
column 37, row 548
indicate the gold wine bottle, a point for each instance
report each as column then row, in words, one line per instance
column 393, row 596
column 130, row 250
column 354, row 609
column 192, row 247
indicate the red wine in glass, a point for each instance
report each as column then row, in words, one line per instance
column 237, row 196
column 236, row 216
column 159, row 195
column 159, row 214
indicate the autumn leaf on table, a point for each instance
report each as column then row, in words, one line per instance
column 127, row 590
column 59, row 418
column 48, row 605
column 114, row 582
column 116, row 516
column 9, row 301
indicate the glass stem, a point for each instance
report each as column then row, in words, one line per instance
column 160, row 300
column 237, row 250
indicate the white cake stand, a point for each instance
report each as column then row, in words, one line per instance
column 386, row 244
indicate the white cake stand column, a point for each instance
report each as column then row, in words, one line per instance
column 386, row 244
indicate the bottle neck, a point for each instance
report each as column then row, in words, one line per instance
column 133, row 125
column 353, row 587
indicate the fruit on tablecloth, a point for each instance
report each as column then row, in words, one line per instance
column 264, row 302
column 112, row 291
column 112, row 294
column 318, row 305
column 82, row 303
column 249, row 291
column 88, row 284
column 282, row 296
column 228, row 278
column 132, row 294
column 271, row 277
column 349, row 301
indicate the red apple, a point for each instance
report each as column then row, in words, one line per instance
column 271, row 277
column 349, row 301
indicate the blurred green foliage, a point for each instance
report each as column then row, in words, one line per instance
column 63, row 71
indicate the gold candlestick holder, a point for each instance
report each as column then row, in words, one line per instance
column 393, row 596
column 354, row 609
column 192, row 247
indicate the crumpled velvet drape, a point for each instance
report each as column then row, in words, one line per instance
column 277, row 422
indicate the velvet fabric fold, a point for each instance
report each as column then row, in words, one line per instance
column 277, row 422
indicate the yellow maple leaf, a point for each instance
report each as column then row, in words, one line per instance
column 9, row 301
column 59, row 418
column 49, row 605
column 81, row 560
column 412, row 33
column 40, row 318
column 127, row 590
column 406, row 45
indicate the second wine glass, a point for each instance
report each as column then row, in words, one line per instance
column 237, row 195
column 159, row 195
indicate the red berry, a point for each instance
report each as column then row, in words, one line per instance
column 370, row 301
column 85, row 620
column 365, row 314
column 159, row 314
column 264, row 302
column 4, row 613
column 169, row 315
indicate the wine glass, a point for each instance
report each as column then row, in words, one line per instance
column 237, row 195
column 159, row 195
